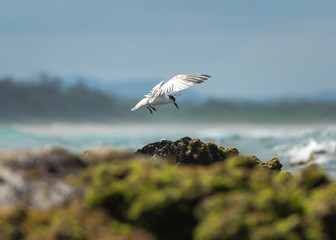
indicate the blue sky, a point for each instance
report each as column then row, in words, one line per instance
column 251, row 48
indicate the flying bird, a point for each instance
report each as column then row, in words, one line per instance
column 164, row 92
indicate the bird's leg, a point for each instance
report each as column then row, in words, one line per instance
column 149, row 110
column 153, row 108
column 176, row 105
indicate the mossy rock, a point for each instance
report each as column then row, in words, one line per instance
column 189, row 151
column 274, row 164
column 242, row 161
column 240, row 198
column 311, row 177
column 136, row 197
column 194, row 151
column 231, row 152
column 154, row 195
column 149, row 194
column 69, row 222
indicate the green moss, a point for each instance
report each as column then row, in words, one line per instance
column 69, row 222
column 231, row 152
column 120, row 228
column 153, row 195
column 242, row 161
column 234, row 197
column 207, row 153
column 67, row 227
column 198, row 152
column 322, row 210
column 274, row 164
column 8, row 231
column 311, row 177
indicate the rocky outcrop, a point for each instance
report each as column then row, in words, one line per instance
column 42, row 179
column 274, row 164
column 188, row 151
column 194, row 151
column 122, row 195
column 38, row 178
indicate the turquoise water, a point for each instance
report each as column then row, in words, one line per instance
column 290, row 143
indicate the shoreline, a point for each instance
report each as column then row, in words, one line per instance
column 108, row 128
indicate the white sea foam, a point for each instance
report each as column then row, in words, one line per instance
column 302, row 152
column 258, row 131
column 302, row 148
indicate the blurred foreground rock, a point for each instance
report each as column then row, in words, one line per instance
column 109, row 194
column 42, row 179
column 37, row 178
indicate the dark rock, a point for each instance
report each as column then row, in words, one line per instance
column 311, row 158
column 194, row 151
column 299, row 163
column 167, row 148
column 313, row 155
column 188, row 151
column 274, row 164
column 319, row 152
column 49, row 160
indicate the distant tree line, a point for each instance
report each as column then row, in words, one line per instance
column 272, row 111
column 47, row 99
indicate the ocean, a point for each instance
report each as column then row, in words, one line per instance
column 290, row 143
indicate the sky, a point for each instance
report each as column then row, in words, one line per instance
column 251, row 48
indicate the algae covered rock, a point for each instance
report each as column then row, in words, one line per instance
column 217, row 194
column 311, row 177
column 189, row 151
column 234, row 199
column 72, row 222
column 244, row 161
column 274, row 163
column 165, row 148
column 194, row 151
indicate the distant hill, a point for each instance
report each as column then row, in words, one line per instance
column 50, row 99
column 329, row 96
column 136, row 88
column 131, row 88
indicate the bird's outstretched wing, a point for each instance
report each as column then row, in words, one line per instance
column 180, row 82
column 155, row 90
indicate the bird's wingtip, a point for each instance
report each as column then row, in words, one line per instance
column 202, row 75
column 206, row 75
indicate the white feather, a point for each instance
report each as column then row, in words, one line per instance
column 181, row 82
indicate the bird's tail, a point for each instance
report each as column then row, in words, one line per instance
column 143, row 102
column 135, row 108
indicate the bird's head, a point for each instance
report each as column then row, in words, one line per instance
column 172, row 98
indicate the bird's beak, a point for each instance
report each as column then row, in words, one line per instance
column 176, row 105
